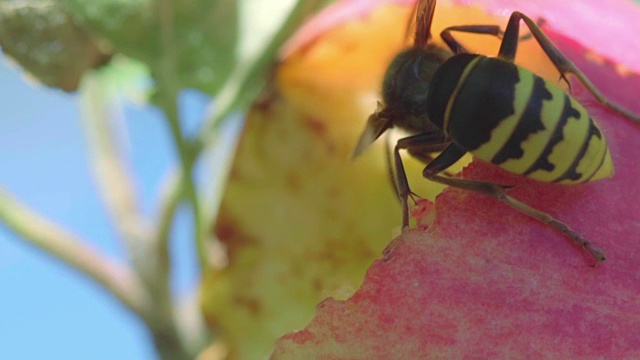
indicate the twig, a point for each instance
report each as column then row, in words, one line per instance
column 114, row 180
column 69, row 248
column 149, row 254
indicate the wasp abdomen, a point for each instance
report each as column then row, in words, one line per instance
column 506, row 115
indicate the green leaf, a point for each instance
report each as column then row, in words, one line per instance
column 45, row 40
column 204, row 32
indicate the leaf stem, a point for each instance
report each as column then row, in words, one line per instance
column 168, row 86
column 169, row 199
column 242, row 87
column 246, row 81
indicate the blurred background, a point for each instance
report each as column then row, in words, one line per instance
column 48, row 141
column 48, row 310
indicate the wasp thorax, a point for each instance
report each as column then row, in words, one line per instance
column 406, row 85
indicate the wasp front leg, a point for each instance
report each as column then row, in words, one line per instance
column 418, row 144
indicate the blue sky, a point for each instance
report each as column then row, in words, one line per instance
column 48, row 311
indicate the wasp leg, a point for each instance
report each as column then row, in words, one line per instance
column 423, row 153
column 498, row 192
column 415, row 143
column 509, row 47
column 427, row 154
column 388, row 156
column 455, row 45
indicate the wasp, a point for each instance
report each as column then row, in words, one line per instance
column 453, row 102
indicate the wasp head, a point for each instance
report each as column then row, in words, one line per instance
column 405, row 90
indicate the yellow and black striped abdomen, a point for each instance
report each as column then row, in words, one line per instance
column 508, row 116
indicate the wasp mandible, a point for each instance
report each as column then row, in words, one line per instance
column 454, row 102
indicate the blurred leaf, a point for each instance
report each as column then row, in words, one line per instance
column 205, row 35
column 212, row 37
column 45, row 40
column 214, row 40
column 126, row 78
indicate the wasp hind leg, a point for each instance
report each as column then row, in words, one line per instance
column 509, row 47
column 450, row 155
